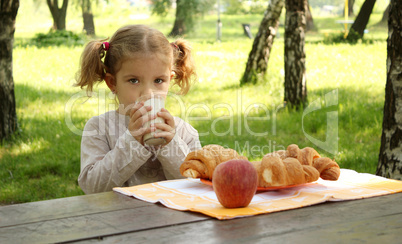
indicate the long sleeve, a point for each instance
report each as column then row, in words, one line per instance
column 111, row 157
column 173, row 154
column 104, row 166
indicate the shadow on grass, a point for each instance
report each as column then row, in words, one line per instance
column 26, row 94
column 42, row 162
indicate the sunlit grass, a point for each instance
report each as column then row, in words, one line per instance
column 42, row 161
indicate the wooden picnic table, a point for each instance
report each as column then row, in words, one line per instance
column 115, row 218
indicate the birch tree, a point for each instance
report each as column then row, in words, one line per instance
column 257, row 63
column 390, row 158
column 295, row 55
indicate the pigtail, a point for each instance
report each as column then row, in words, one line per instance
column 184, row 66
column 92, row 69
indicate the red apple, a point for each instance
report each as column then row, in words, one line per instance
column 235, row 183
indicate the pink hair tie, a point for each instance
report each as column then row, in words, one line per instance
column 175, row 46
column 106, row 46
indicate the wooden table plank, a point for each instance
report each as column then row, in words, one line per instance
column 65, row 207
column 383, row 229
column 377, row 218
column 97, row 223
column 113, row 217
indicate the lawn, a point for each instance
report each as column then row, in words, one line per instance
column 345, row 90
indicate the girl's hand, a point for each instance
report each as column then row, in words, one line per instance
column 167, row 129
column 138, row 116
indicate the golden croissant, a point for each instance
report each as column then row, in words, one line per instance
column 274, row 171
column 328, row 169
column 280, row 168
column 202, row 163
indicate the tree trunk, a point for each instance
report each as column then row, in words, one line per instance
column 309, row 19
column 257, row 63
column 390, row 159
column 295, row 55
column 8, row 116
column 58, row 14
column 179, row 27
column 88, row 18
column 363, row 17
column 351, row 3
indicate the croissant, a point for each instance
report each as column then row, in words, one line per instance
column 274, row 171
column 202, row 163
column 280, row 153
column 292, row 166
column 328, row 169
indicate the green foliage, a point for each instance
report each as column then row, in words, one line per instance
column 161, row 7
column 257, row 7
column 253, row 78
column 58, row 38
column 245, row 7
column 233, row 6
column 352, row 37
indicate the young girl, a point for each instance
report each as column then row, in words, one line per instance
column 138, row 61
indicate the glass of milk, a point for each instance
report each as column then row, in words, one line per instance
column 157, row 102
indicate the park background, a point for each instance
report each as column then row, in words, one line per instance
column 42, row 161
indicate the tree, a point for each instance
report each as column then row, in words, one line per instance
column 58, row 13
column 363, row 17
column 257, row 63
column 350, row 8
column 88, row 18
column 295, row 55
column 390, row 160
column 186, row 12
column 182, row 20
column 8, row 116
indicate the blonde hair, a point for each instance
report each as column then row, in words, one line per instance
column 126, row 43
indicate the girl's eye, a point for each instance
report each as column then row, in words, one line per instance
column 158, row 81
column 133, row 81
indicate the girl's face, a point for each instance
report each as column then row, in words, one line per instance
column 139, row 76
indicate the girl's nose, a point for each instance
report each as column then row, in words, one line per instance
column 147, row 90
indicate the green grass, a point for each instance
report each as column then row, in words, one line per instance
column 42, row 161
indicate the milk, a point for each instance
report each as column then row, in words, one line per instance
column 157, row 102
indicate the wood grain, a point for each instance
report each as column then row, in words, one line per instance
column 65, row 207
column 112, row 217
column 364, row 221
column 96, row 224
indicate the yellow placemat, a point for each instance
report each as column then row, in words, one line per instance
column 193, row 195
